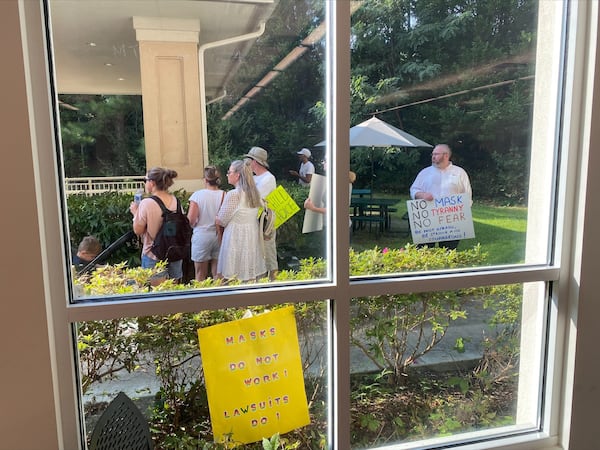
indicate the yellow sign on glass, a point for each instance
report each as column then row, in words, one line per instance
column 284, row 206
column 254, row 380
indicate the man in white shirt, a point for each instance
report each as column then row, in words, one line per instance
column 441, row 179
column 265, row 183
column 307, row 168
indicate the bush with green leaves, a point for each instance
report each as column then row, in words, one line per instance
column 393, row 331
column 106, row 215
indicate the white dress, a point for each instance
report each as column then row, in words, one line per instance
column 241, row 254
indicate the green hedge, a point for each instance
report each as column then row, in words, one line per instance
column 107, row 217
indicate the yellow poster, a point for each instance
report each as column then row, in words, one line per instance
column 254, row 378
column 284, row 206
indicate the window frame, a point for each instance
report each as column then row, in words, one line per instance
column 341, row 289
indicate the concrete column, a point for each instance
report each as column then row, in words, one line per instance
column 171, row 96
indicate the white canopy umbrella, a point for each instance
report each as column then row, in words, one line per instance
column 377, row 133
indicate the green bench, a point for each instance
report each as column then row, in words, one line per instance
column 361, row 221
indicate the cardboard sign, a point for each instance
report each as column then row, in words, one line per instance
column 284, row 206
column 443, row 219
column 254, row 378
column 313, row 221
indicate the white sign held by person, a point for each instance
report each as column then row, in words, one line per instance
column 313, row 221
column 443, row 219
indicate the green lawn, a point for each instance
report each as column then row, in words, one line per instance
column 499, row 229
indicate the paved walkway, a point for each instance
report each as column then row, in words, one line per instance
column 444, row 356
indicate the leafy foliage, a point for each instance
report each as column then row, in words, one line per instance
column 102, row 135
column 105, row 216
column 458, row 72
column 383, row 327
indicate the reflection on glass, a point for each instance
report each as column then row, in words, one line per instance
column 437, row 90
column 157, row 362
column 184, row 86
column 448, row 363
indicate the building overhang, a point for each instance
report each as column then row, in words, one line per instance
column 96, row 48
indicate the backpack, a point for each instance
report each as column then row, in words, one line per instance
column 173, row 240
column 267, row 221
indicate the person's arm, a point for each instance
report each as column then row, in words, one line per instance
column 308, row 173
column 423, row 195
column 306, row 178
column 228, row 208
column 467, row 186
column 139, row 220
column 308, row 204
column 417, row 191
column 193, row 213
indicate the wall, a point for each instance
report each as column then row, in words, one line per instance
column 30, row 412
column 27, row 397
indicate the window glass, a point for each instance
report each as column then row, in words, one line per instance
column 461, row 75
column 448, row 363
column 174, row 374
column 435, row 350
column 158, row 98
column 458, row 74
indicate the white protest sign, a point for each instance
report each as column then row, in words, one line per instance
column 313, row 221
column 443, row 219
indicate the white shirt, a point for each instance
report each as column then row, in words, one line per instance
column 442, row 182
column 306, row 168
column 265, row 183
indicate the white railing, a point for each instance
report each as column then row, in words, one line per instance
column 95, row 185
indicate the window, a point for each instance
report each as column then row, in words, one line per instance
column 535, row 278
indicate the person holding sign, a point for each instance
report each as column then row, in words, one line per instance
column 241, row 256
column 265, row 183
column 310, row 205
column 441, row 179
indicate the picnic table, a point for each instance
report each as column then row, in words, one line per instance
column 372, row 210
column 361, row 192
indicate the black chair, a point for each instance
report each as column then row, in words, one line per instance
column 121, row 426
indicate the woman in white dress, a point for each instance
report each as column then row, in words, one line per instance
column 204, row 206
column 241, row 256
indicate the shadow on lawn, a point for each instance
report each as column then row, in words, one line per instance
column 500, row 232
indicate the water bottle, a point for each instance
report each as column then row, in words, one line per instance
column 138, row 196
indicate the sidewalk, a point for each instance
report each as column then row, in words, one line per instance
column 443, row 356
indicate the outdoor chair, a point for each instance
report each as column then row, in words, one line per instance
column 121, row 426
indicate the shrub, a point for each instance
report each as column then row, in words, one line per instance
column 393, row 331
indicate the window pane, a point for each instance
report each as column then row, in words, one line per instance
column 184, row 86
column 462, row 74
column 452, row 363
column 158, row 362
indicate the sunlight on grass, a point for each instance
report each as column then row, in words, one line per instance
column 499, row 229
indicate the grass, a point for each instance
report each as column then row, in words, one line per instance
column 500, row 230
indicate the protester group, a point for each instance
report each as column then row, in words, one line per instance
column 227, row 241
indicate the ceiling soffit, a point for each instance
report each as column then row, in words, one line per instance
column 96, row 50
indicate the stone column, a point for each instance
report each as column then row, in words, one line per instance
column 171, row 96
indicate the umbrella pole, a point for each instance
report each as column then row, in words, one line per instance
column 372, row 168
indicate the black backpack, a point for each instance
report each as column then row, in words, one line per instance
column 173, row 240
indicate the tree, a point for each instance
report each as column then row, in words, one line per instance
column 102, row 135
